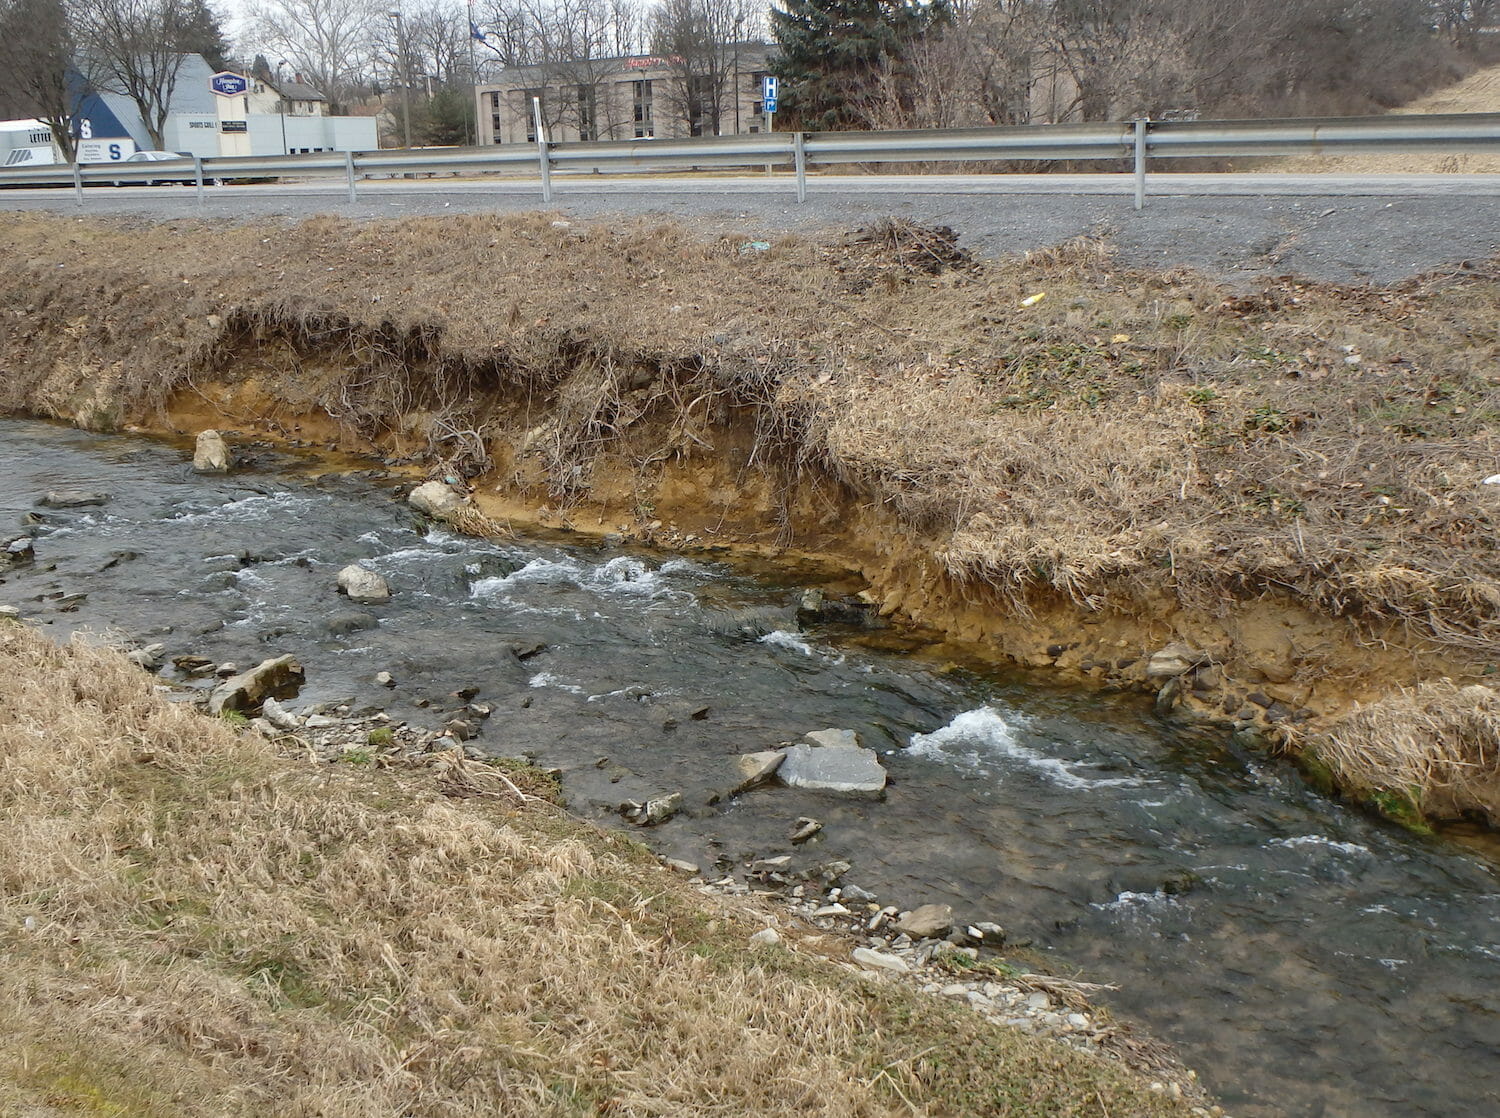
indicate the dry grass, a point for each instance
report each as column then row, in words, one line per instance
column 190, row 925
column 1477, row 93
column 1435, row 746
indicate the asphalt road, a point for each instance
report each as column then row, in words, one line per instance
column 1345, row 228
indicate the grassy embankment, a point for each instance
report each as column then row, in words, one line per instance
column 190, row 925
column 1479, row 92
column 1287, row 479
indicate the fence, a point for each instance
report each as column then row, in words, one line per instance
column 1134, row 143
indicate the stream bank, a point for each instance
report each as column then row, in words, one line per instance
column 1283, row 484
column 225, row 931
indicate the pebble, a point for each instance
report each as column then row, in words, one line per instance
column 766, row 937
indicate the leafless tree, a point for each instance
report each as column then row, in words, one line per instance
column 693, row 38
column 36, row 55
column 329, row 42
column 438, row 34
column 133, row 47
column 570, row 51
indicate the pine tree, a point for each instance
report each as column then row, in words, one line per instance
column 840, row 58
column 203, row 35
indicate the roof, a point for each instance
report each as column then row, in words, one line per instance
column 294, row 90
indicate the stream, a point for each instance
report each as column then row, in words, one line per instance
column 1303, row 958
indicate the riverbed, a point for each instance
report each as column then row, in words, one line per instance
column 1304, row 958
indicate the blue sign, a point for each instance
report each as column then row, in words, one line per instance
column 228, row 84
column 768, row 92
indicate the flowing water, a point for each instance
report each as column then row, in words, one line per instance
column 1307, row 960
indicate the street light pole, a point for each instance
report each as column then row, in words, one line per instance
column 281, row 106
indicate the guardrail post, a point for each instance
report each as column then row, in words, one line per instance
column 349, row 174
column 198, row 176
column 799, row 160
column 1140, row 162
column 541, row 149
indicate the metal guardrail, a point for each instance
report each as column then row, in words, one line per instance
column 1135, row 142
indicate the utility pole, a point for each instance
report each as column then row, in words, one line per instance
column 395, row 14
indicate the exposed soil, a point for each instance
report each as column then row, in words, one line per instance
column 1055, row 459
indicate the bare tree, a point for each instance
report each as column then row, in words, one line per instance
column 36, row 57
column 329, row 42
column 133, row 47
column 569, row 51
column 692, row 37
column 438, row 33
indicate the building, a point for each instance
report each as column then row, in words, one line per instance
column 635, row 97
column 285, row 97
column 266, row 119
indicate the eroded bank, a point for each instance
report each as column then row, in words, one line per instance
column 1052, row 460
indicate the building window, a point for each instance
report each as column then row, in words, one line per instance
column 702, row 106
column 528, row 114
column 641, row 102
column 495, row 128
column 495, row 102
column 588, row 112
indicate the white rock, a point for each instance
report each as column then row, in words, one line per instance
column 1493, row 479
column 879, row 960
column 766, row 937
column 435, row 499
column 1037, row 1000
column 363, row 584
column 211, row 453
column 689, row 868
column 278, row 716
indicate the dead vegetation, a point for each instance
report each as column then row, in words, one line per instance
column 1428, row 750
column 191, row 925
column 1053, row 428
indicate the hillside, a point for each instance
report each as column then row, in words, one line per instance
column 1478, row 93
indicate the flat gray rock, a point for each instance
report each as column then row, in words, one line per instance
column 842, row 739
column 72, row 499
column 838, row 768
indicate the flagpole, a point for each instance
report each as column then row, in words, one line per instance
column 474, row 33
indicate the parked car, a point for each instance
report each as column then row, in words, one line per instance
column 161, row 157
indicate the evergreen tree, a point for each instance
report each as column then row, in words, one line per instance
column 203, row 35
column 842, row 59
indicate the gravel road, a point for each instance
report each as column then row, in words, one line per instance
column 1237, row 237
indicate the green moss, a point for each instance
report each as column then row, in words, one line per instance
column 1400, row 807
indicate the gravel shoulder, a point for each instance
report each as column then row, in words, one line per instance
column 1346, row 239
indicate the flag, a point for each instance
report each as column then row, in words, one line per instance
column 474, row 32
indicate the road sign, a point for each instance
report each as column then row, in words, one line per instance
column 768, row 92
column 228, row 84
